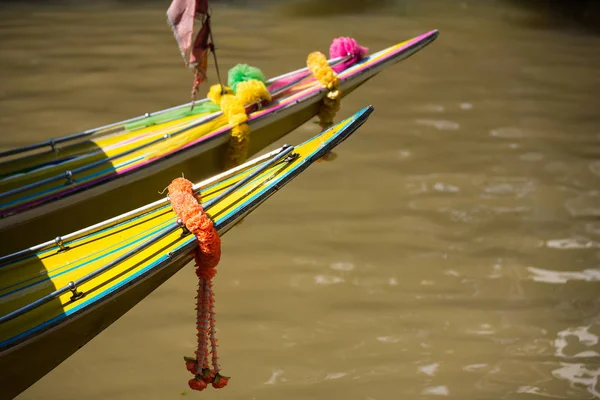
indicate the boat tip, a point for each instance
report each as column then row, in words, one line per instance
column 366, row 111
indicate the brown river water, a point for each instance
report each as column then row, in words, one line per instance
column 451, row 251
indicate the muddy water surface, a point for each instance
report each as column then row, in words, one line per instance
column 452, row 249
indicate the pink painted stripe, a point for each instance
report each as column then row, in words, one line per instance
column 302, row 95
column 298, row 97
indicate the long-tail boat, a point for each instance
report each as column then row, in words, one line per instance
column 55, row 297
column 68, row 183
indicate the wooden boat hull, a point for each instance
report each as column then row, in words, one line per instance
column 142, row 185
column 33, row 343
column 26, row 363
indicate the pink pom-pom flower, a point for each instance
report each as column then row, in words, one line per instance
column 344, row 46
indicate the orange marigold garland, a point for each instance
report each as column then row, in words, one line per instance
column 187, row 207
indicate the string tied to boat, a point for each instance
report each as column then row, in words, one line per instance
column 245, row 86
column 187, row 207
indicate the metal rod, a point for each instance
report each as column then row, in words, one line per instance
column 93, row 131
column 68, row 174
column 332, row 62
column 285, row 150
column 296, row 81
column 34, row 305
column 131, row 214
column 72, row 286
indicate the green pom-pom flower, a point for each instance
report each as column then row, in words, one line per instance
column 244, row 72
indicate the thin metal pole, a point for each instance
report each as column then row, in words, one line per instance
column 72, row 286
column 286, row 149
column 116, row 156
column 90, row 132
column 4, row 260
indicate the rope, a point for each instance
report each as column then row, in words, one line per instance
column 199, row 73
column 188, row 208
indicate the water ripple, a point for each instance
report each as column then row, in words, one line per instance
column 549, row 276
column 430, row 369
column 441, row 390
column 572, row 243
column 443, row 125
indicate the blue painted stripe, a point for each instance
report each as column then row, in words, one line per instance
column 142, row 271
column 53, row 275
column 41, row 254
column 82, row 180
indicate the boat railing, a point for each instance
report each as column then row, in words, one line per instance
column 284, row 151
column 61, row 240
column 69, row 175
column 52, row 143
